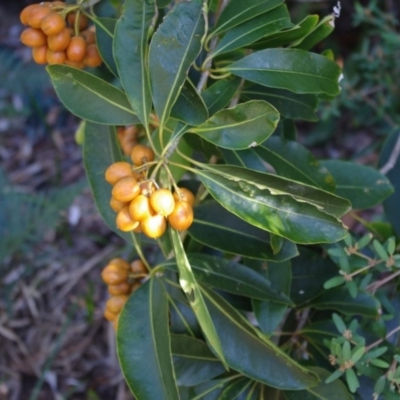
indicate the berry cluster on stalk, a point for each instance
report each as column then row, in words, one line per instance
column 59, row 34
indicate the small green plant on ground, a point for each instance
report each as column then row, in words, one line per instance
column 253, row 288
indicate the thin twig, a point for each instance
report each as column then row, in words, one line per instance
column 378, row 342
column 391, row 162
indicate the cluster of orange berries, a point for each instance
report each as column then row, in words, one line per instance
column 140, row 205
column 53, row 41
column 127, row 138
column 122, row 280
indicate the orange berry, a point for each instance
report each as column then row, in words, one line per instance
column 120, row 263
column 184, row 195
column 89, row 36
column 82, row 23
column 109, row 316
column 92, row 58
column 32, row 37
column 25, row 12
column 114, row 275
column 60, row 41
column 142, row 154
column 53, row 24
column 55, row 57
column 138, row 267
column 135, row 286
column 116, row 303
column 117, row 171
column 126, row 189
column 116, row 322
column 124, row 221
column 154, row 226
column 74, row 64
column 140, row 208
column 39, row 54
column 162, row 201
column 121, row 288
column 76, row 50
column 57, row 4
column 147, row 187
column 118, row 205
column 37, row 14
column 182, row 216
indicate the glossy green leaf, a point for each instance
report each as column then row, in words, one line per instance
column 105, row 28
column 189, row 107
column 248, row 354
column 339, row 299
column 287, row 208
column 163, row 3
column 216, row 227
column 333, row 391
column 143, row 343
column 237, row 388
column 173, row 49
column 238, row 11
column 364, row 186
column 130, row 52
column 100, row 150
column 245, row 125
column 182, row 318
column 219, row 95
column 252, row 30
column 191, row 288
column 290, row 36
column 205, row 391
column 296, row 70
column 91, row 98
column 231, row 277
column 289, row 104
column 194, row 362
column 270, row 314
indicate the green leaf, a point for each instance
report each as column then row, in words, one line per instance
column 194, row 362
column 189, row 106
column 269, row 314
column 100, row 150
column 245, row 125
column 340, row 325
column 352, row 380
column 216, row 227
column 105, row 28
column 206, row 391
column 248, row 354
column 237, row 388
column 191, row 288
column 163, row 3
column 130, row 52
column 238, row 11
column 231, row 277
column 143, row 343
column 218, row 95
column 286, row 208
column 339, row 299
column 173, row 49
column 91, row 98
column 289, row 104
column 364, row 186
column 296, row 70
column 252, row 30
column 332, row 391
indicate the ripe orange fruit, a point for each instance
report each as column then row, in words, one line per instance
column 109, row 316
column 37, row 14
column 32, row 37
column 55, row 57
column 39, row 54
column 182, row 216
column 114, row 275
column 124, row 221
column 138, row 267
column 140, row 208
column 92, row 58
column 120, row 263
column 57, row 4
column 154, row 226
column 89, row 36
column 118, row 205
column 74, row 64
column 116, row 303
column 82, row 23
column 116, row 322
column 76, row 50
column 121, row 288
column 25, row 12
column 184, row 195
column 162, row 201
column 60, row 41
column 117, row 171
column 126, row 189
column 53, row 24
column 141, row 154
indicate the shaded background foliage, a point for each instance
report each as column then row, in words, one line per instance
column 53, row 244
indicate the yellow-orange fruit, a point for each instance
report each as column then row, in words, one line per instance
column 92, row 58
column 37, row 14
column 154, row 226
column 124, row 221
column 162, row 202
column 53, row 24
column 57, row 4
column 114, row 275
column 117, row 171
column 184, row 195
column 116, row 303
column 138, row 267
column 182, row 216
column 147, row 187
column 120, row 263
column 76, row 50
column 126, row 189
column 142, row 154
column 55, row 57
column 32, row 37
column 116, row 322
column 25, row 12
column 89, row 36
column 109, row 316
column 60, row 41
column 140, row 208
column 82, row 23
column 74, row 64
column 121, row 288
column 39, row 54
column 118, row 205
